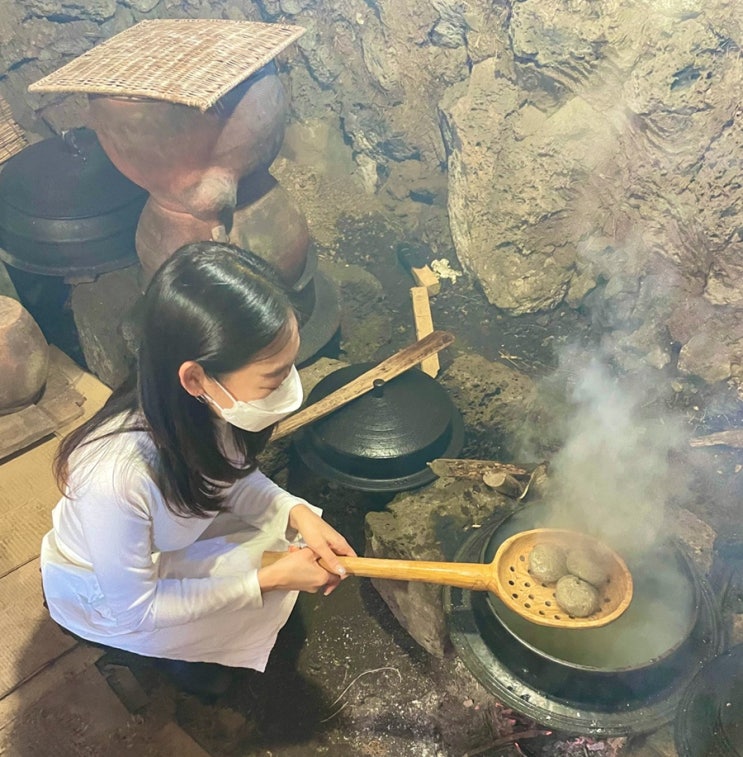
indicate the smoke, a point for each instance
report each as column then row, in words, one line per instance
column 612, row 474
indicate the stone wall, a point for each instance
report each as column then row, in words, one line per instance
column 570, row 152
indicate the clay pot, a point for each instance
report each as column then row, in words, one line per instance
column 266, row 221
column 24, row 357
column 207, row 172
column 192, row 161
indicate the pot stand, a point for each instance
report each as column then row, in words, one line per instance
column 710, row 716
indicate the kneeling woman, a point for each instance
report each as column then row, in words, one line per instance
column 156, row 544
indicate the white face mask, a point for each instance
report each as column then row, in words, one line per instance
column 259, row 414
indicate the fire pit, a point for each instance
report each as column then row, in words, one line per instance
column 623, row 679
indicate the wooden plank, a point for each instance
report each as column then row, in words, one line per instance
column 68, row 665
column 474, row 469
column 78, row 716
column 172, row 739
column 22, row 531
column 29, row 639
column 28, row 492
column 63, row 407
column 393, row 366
column 424, row 326
column 28, row 477
column 23, row 428
column 426, row 278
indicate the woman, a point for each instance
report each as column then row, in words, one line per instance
column 156, row 544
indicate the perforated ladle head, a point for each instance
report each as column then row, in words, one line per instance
column 508, row 577
column 515, row 586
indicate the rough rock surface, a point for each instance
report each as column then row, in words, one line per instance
column 429, row 524
column 103, row 311
column 494, row 399
column 580, row 151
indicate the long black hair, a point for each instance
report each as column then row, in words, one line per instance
column 219, row 306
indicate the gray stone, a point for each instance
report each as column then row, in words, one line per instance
column 429, row 524
column 494, row 400
column 364, row 325
column 143, row 6
column 508, row 190
column 96, row 10
column 100, row 309
column 707, row 356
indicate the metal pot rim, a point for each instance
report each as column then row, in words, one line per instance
column 689, row 574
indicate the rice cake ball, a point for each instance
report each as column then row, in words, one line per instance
column 588, row 564
column 547, row 562
column 577, row 597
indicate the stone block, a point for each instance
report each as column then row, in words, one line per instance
column 103, row 310
column 428, row 524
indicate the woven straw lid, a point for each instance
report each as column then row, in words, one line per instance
column 188, row 61
column 12, row 139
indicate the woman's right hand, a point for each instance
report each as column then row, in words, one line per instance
column 299, row 570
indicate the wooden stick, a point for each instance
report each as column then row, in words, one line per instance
column 474, row 469
column 465, row 575
column 732, row 437
column 401, row 361
column 503, row 482
column 424, row 326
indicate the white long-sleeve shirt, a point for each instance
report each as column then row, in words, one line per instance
column 122, row 569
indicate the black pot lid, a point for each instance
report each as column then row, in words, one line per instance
column 709, row 721
column 383, row 440
column 65, row 177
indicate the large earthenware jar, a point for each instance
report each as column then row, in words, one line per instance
column 194, row 162
column 24, row 357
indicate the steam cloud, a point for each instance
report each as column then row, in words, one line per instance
column 612, row 474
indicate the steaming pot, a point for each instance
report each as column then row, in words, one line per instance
column 623, row 679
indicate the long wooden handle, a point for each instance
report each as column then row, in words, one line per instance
column 393, row 366
column 465, row 575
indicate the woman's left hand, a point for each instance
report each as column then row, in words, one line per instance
column 323, row 540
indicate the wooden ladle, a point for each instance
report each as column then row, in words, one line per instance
column 508, row 577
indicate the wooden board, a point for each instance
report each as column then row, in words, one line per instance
column 21, row 533
column 23, row 428
column 424, row 326
column 426, row 278
column 67, row 666
column 30, row 639
column 474, row 469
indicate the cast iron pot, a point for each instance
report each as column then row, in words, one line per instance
column 623, row 679
column 383, row 440
column 65, row 210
